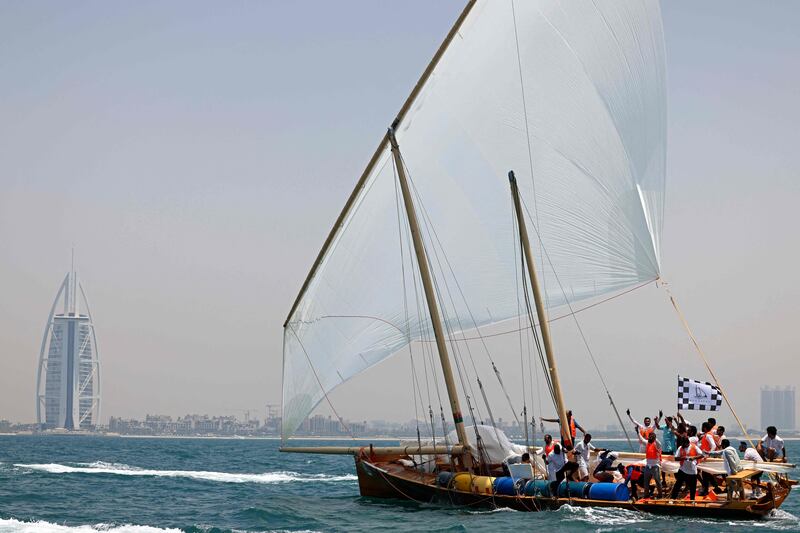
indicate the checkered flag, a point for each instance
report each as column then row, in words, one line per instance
column 698, row 395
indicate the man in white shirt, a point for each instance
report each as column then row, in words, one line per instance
column 772, row 446
column 581, row 452
column 555, row 461
column 751, row 454
column 687, row 455
column 730, row 459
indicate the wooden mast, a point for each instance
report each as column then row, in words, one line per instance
column 541, row 312
column 430, row 294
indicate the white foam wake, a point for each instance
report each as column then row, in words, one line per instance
column 16, row 526
column 222, row 477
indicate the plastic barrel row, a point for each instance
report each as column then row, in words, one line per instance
column 507, row 486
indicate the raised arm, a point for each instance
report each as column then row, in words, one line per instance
column 628, row 412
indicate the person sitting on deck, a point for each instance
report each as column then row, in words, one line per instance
column 573, row 426
column 642, row 430
column 526, row 458
column 771, row 445
column 730, row 459
column 603, row 472
column 687, row 455
column 751, row 454
column 652, row 469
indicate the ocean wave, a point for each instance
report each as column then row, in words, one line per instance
column 100, row 467
column 606, row 516
column 16, row 526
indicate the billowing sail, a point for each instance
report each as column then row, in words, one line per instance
column 571, row 96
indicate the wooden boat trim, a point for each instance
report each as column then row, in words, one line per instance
column 399, row 478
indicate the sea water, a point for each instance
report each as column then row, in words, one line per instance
column 84, row 484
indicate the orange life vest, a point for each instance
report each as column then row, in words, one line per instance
column 682, row 454
column 635, row 472
column 549, row 447
column 652, row 451
column 704, row 444
column 572, row 429
column 645, row 432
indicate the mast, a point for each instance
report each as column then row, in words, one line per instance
column 430, row 295
column 541, row 312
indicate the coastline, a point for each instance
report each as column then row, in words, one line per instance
column 339, row 438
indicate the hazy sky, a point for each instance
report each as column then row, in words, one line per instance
column 197, row 156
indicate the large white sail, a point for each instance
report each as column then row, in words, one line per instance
column 571, row 96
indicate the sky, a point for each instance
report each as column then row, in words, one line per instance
column 196, row 158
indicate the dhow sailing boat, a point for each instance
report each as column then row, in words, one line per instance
column 564, row 101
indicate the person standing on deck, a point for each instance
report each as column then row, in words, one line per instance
column 582, row 451
column 719, row 435
column 573, row 426
column 555, row 461
column 652, row 469
column 549, row 443
column 751, row 454
column 668, row 436
column 771, row 445
column 687, row 455
column 708, row 445
column 643, row 430
column 678, row 431
column 730, row 459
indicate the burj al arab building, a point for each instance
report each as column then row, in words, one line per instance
column 68, row 376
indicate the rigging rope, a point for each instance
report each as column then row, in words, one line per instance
column 414, row 381
column 580, row 330
column 316, row 376
column 705, row 361
column 432, row 234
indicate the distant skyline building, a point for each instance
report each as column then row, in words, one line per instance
column 68, row 375
column 778, row 408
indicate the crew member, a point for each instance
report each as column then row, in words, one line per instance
column 633, row 478
column 581, row 452
column 572, row 424
column 652, row 469
column 642, row 430
column 730, row 459
column 771, row 446
column 751, row 454
column 687, row 455
column 603, row 472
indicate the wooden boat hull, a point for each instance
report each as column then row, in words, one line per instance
column 391, row 480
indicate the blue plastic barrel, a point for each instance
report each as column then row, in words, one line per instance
column 537, row 487
column 572, row 489
column 615, row 492
column 505, row 486
column 444, row 478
